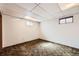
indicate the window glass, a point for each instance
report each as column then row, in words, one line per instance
column 29, row 23
column 68, row 20
column 62, row 21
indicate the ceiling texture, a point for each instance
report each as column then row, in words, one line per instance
column 39, row 11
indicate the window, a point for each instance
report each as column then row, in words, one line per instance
column 62, row 21
column 29, row 23
column 66, row 20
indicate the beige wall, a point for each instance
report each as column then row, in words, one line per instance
column 67, row 34
column 17, row 31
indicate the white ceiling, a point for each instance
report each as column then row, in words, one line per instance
column 41, row 11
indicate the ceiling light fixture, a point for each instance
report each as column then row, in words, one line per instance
column 70, row 5
column 67, row 5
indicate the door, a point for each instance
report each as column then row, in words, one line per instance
column 0, row 30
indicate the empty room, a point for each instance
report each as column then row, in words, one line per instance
column 39, row 29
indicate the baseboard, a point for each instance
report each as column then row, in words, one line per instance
column 62, row 44
column 19, row 43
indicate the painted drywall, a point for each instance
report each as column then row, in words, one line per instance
column 16, row 31
column 66, row 34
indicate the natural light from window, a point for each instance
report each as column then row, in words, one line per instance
column 29, row 23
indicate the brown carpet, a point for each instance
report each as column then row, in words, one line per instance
column 39, row 48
